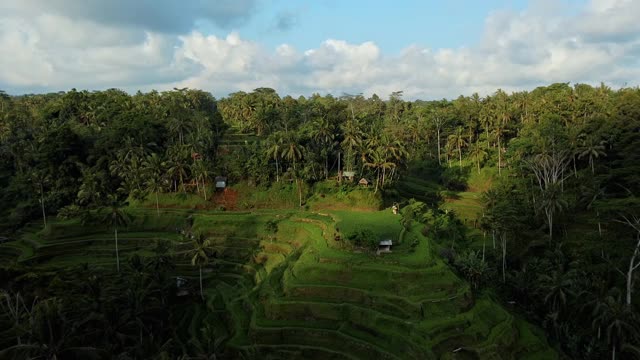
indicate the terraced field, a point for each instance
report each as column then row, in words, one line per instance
column 299, row 293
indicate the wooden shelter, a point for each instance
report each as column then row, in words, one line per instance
column 221, row 182
column 349, row 175
column 363, row 182
column 385, row 246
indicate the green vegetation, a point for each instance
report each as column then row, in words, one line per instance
column 295, row 292
column 167, row 225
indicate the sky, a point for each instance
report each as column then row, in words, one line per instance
column 428, row 49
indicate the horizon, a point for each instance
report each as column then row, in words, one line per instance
column 325, row 47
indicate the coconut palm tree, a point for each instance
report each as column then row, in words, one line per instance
column 115, row 216
column 352, row 138
column 200, row 172
column 592, row 149
column 551, row 202
column 323, row 132
column 177, row 165
column 617, row 318
column 200, row 254
column 274, row 149
column 154, row 165
column 292, row 151
column 39, row 179
column 479, row 153
column 557, row 288
column 458, row 139
column 154, row 185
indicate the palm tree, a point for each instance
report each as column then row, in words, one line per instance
column 154, row 165
column 557, row 288
column 89, row 193
column 200, row 254
column 178, row 164
column 592, row 149
column 352, row 138
column 293, row 152
column 200, row 171
column 439, row 117
column 154, row 185
column 458, row 138
column 552, row 202
column 378, row 160
column 116, row 216
column 498, row 133
column 274, row 149
column 617, row 318
column 323, row 132
column 478, row 152
column 573, row 135
column 39, row 179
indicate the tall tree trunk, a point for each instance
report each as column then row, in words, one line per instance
column 117, row 255
column 299, row 192
column 632, row 267
column 277, row 176
column 499, row 156
column 613, row 352
column 487, row 132
column 44, row 214
column 493, row 236
column 326, row 167
column 204, row 189
column 503, row 239
column 339, row 169
column 549, row 214
column 201, row 292
column 198, row 185
column 383, row 176
column 575, row 170
column 157, row 204
column 484, row 244
column 593, row 170
column 439, row 156
column 478, row 163
column 460, row 154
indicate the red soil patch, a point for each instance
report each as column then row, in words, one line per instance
column 227, row 198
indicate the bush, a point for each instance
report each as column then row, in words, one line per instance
column 473, row 268
column 448, row 255
column 364, row 238
column 455, row 178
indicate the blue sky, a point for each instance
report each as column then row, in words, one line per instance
column 392, row 25
column 429, row 49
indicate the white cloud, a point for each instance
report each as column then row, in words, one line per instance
column 518, row 50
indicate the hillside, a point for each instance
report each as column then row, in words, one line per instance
column 299, row 293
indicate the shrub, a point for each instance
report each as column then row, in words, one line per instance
column 472, row 267
column 455, row 178
column 448, row 255
column 364, row 238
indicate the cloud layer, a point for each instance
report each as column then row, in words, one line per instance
column 56, row 45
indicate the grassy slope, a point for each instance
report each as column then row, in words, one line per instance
column 301, row 294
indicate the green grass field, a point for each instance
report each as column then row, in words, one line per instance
column 302, row 294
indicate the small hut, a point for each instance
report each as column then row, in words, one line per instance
column 349, row 175
column 221, row 182
column 182, row 286
column 385, row 246
column 363, row 182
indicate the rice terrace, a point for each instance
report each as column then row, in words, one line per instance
column 298, row 292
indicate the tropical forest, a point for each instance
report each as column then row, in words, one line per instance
column 176, row 225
